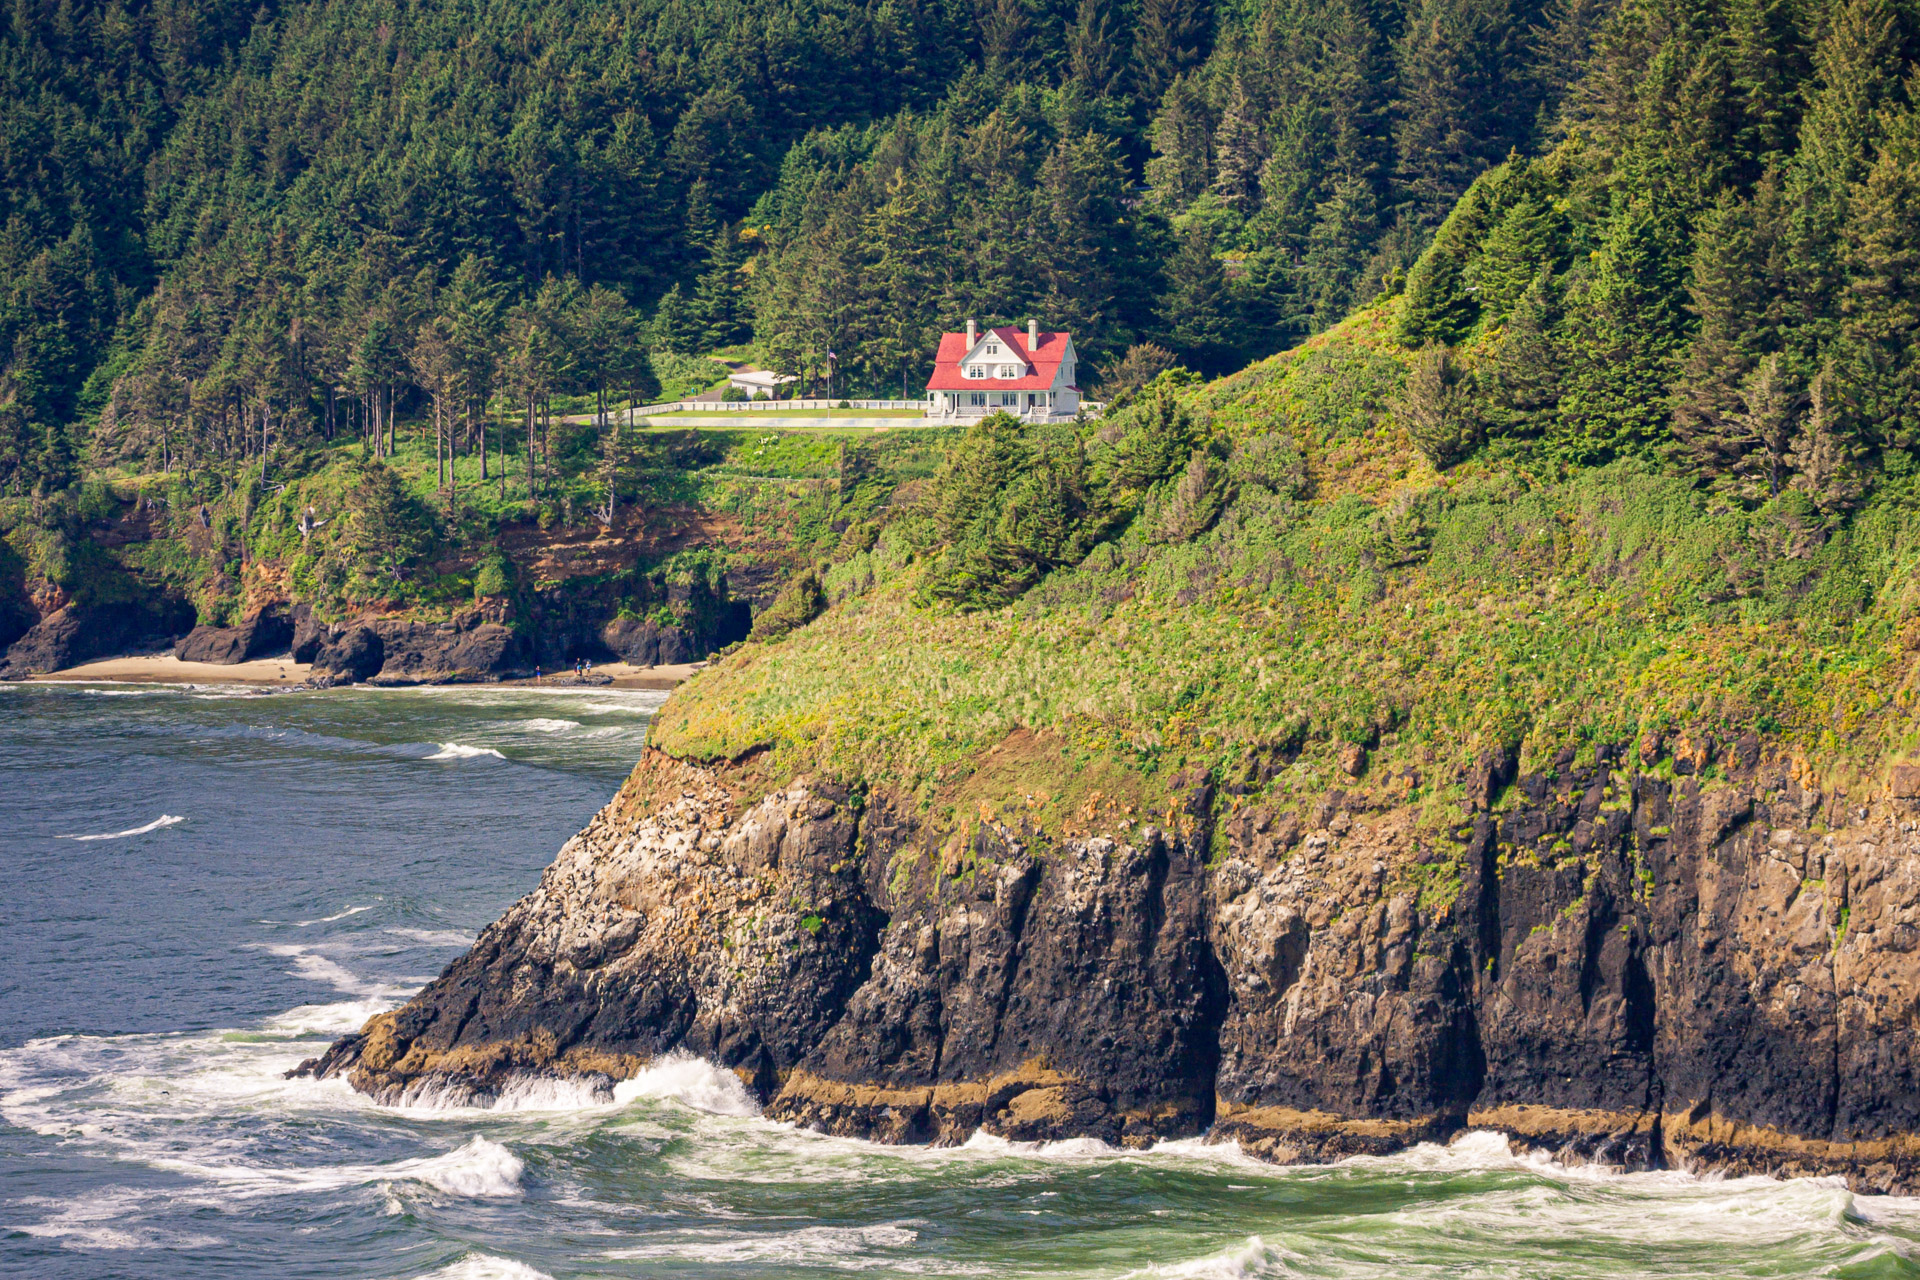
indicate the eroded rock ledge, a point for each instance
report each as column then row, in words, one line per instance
column 1637, row 970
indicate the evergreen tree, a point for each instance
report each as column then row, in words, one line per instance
column 1520, row 379
column 1436, row 408
column 1460, row 107
column 907, row 262
column 1240, row 153
column 1196, row 311
column 1182, row 145
column 1768, row 422
column 1625, row 328
column 719, row 304
column 1729, row 293
column 1096, row 50
column 1827, row 458
column 677, row 324
column 1093, row 260
column 1531, row 236
column 1003, row 37
column 1881, row 309
column 1169, row 38
column 1344, row 232
column 625, row 222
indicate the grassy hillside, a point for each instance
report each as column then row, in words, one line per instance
column 1305, row 585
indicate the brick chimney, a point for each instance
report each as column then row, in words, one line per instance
column 1033, row 336
column 973, row 333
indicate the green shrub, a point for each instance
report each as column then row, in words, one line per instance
column 801, row 602
column 1012, row 502
column 493, row 576
column 1151, row 442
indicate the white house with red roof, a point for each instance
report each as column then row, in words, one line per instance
column 1029, row 374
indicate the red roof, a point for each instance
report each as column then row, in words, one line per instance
column 1043, row 362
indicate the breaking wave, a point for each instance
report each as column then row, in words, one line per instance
column 164, row 820
column 484, row 1266
column 460, row 751
column 678, row 1077
column 479, row 1169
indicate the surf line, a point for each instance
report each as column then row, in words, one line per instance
column 460, row 751
column 164, row 820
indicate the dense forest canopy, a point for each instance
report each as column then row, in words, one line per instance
column 217, row 218
column 1716, row 267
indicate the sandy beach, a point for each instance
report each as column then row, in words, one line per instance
column 164, row 668
column 285, row 673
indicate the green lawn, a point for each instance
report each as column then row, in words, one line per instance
column 742, row 410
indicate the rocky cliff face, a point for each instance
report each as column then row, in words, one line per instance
column 1637, row 969
column 77, row 633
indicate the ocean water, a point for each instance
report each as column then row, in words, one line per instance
column 198, row 889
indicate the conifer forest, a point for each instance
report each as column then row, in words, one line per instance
column 1683, row 228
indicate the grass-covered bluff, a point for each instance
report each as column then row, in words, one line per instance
column 1299, row 583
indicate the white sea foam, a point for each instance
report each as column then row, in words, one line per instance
column 678, row 1077
column 485, row 1266
column 641, row 703
column 691, row 1081
column 479, row 1169
column 106, row 1218
column 522, row 1093
column 984, row 1143
column 329, row 1019
column 1252, row 1257
column 314, row 967
column 434, row 937
column 461, row 751
column 846, row 1248
column 164, row 820
column 350, row 911
column 540, row 724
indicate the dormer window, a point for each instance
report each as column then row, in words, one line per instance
column 976, row 371
column 993, row 348
column 1009, row 371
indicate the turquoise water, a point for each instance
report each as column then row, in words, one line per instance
column 329, row 852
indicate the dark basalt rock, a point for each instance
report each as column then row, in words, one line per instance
column 309, row 633
column 647, row 644
column 1084, row 977
column 80, row 633
column 573, row 620
column 1614, row 967
column 352, row 656
column 261, row 635
column 392, row 652
column 465, row 649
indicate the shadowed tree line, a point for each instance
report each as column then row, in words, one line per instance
column 227, row 226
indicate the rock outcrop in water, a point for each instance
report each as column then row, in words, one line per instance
column 1641, row 969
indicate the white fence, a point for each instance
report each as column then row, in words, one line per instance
column 775, row 406
column 916, row 408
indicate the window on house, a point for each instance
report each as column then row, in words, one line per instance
column 976, row 371
column 1009, row 371
column 978, row 399
column 993, row 349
